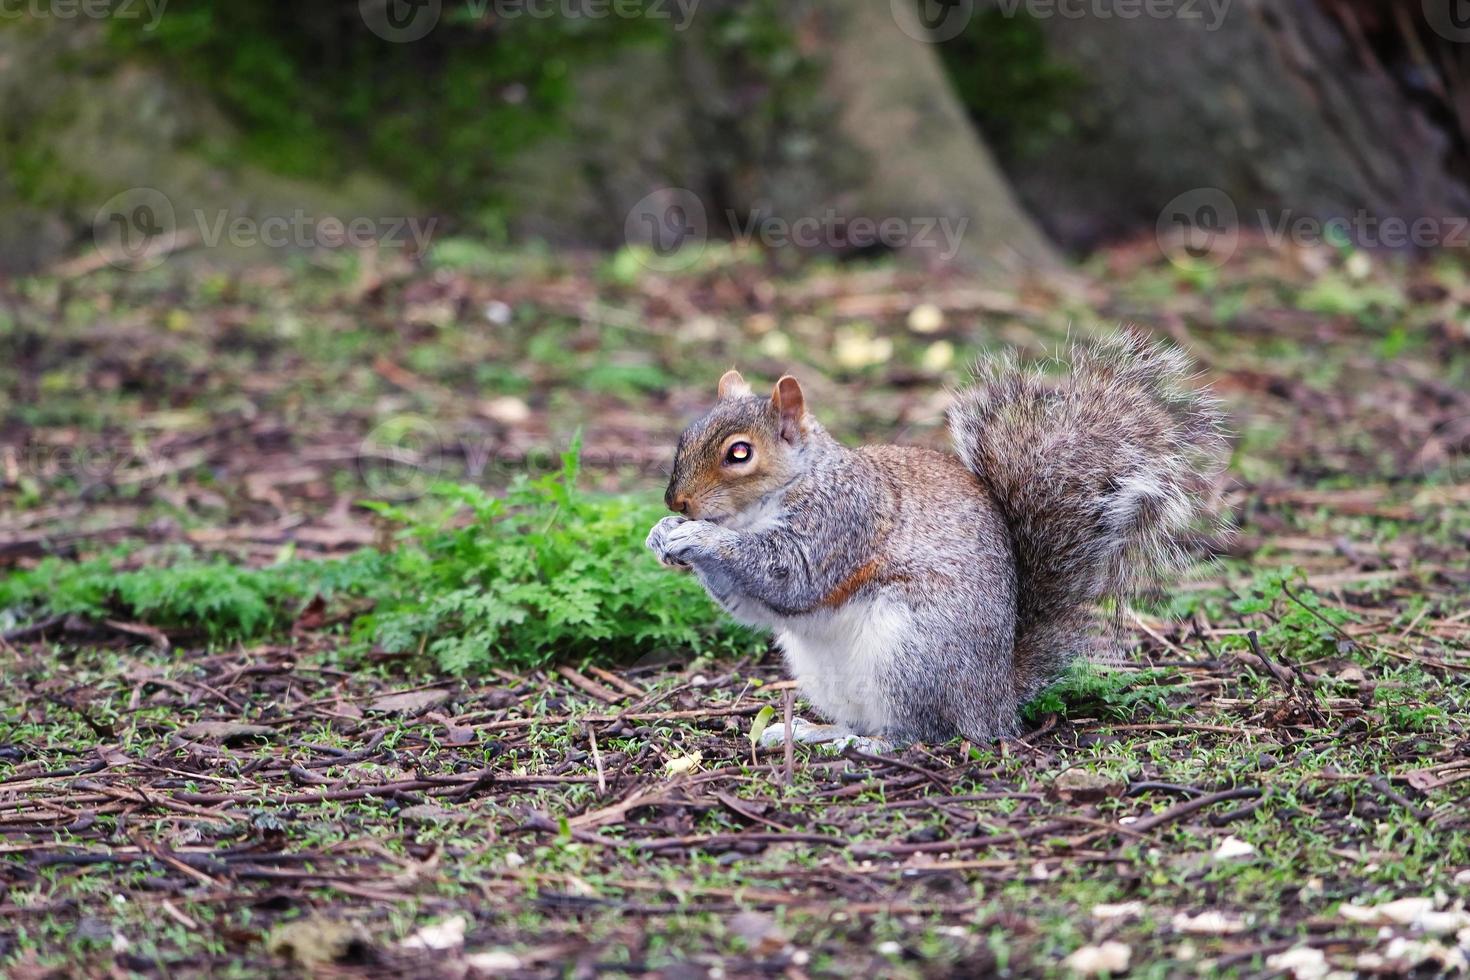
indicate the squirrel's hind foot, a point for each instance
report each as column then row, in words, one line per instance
column 839, row 737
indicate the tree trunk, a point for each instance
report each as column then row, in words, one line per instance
column 871, row 151
column 1277, row 104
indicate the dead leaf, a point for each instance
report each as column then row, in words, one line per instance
column 1122, row 910
column 427, row 813
column 759, row 930
column 409, row 702
column 317, row 940
column 1209, row 923
column 152, row 634
column 1232, row 848
column 1418, row 913
column 448, row 934
column 495, row 962
column 1302, row 963
column 113, row 756
column 226, row 731
column 313, row 617
column 1083, row 786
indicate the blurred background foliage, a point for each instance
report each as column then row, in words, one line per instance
column 316, row 94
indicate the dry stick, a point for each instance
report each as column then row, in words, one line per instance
column 966, row 844
column 161, row 853
column 760, row 837
column 585, row 683
column 735, row 806
column 788, row 703
column 1172, row 727
column 597, row 761
column 1189, row 806
column 495, row 726
column 628, row 688
column 882, row 760
column 1394, row 796
column 382, row 789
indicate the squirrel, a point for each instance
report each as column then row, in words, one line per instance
column 919, row 595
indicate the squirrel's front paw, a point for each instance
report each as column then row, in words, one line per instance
column 676, row 541
column 658, row 541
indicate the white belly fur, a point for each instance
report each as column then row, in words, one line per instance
column 840, row 659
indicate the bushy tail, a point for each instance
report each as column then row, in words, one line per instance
column 1099, row 473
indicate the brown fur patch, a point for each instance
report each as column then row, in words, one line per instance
column 848, row 586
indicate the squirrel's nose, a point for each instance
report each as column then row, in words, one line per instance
column 676, row 501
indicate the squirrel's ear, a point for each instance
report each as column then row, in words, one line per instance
column 732, row 385
column 790, row 406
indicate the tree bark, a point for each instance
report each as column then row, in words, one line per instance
column 879, row 137
column 1274, row 103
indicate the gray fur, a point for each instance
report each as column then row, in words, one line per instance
column 988, row 565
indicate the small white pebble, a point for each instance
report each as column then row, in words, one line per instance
column 889, row 948
column 514, row 860
column 926, row 318
column 507, row 410
column 1302, row 963
column 1110, row 957
column 494, row 962
column 800, row 958
column 1121, row 910
column 1233, row 849
column 1209, row 923
column 497, row 312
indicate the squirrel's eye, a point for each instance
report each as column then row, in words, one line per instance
column 739, row 452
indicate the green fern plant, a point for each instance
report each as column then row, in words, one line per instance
column 543, row 572
column 475, row 581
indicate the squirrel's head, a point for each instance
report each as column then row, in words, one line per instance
column 745, row 448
